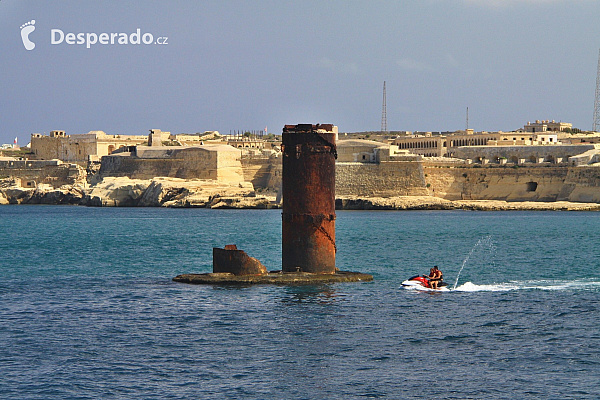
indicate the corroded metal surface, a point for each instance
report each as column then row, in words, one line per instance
column 274, row 278
column 233, row 261
column 308, row 217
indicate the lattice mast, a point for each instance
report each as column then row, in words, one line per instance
column 596, row 126
column 384, row 128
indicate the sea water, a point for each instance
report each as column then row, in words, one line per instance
column 88, row 309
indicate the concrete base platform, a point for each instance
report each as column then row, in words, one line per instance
column 274, row 278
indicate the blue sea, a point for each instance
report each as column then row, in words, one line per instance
column 88, row 309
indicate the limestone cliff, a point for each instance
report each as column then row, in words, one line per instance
column 125, row 192
column 174, row 192
column 11, row 192
column 116, row 192
column 532, row 183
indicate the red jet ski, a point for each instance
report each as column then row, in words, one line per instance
column 421, row 282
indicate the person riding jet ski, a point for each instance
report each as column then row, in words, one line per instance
column 435, row 277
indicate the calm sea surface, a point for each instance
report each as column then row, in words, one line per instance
column 88, row 309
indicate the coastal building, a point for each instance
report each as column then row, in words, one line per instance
column 194, row 139
column 247, row 143
column 547, row 126
column 94, row 145
column 425, row 145
column 522, row 155
column 430, row 144
column 81, row 147
column 368, row 151
column 370, row 168
column 30, row 173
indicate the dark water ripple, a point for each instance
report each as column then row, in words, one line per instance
column 100, row 318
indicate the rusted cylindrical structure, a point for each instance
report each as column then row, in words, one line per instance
column 236, row 262
column 308, row 216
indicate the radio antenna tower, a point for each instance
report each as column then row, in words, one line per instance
column 596, row 126
column 384, row 113
column 467, row 119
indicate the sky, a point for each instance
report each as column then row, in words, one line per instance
column 245, row 65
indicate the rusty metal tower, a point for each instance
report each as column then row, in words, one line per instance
column 596, row 127
column 384, row 128
column 308, row 217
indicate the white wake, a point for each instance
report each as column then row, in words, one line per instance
column 579, row 284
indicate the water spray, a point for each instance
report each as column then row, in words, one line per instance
column 484, row 242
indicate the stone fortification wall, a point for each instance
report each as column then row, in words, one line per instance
column 583, row 184
column 52, row 172
column 386, row 179
column 122, row 165
column 276, row 175
column 220, row 163
column 229, row 166
column 531, row 183
column 262, row 172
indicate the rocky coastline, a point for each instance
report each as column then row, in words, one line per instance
column 180, row 193
column 436, row 203
column 126, row 192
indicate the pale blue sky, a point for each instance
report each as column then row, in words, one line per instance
column 233, row 65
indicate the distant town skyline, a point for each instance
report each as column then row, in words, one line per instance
column 127, row 67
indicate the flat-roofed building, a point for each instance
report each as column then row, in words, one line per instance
column 428, row 144
column 82, row 147
column 546, row 125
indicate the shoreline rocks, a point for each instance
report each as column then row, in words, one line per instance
column 126, row 192
column 436, row 203
column 181, row 193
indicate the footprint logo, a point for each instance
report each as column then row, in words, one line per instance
column 26, row 29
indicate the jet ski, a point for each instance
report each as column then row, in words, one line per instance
column 421, row 282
